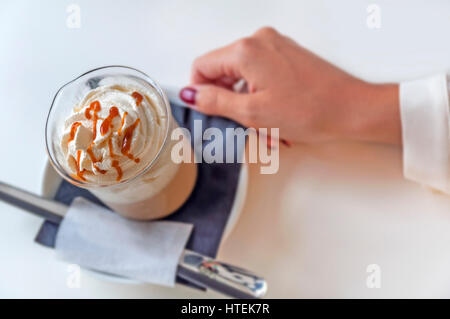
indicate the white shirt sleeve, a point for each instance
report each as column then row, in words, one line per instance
column 424, row 110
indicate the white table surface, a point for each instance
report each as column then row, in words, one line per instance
column 311, row 229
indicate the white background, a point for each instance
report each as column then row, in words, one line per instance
column 311, row 229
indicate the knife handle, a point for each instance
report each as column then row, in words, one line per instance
column 47, row 208
column 224, row 278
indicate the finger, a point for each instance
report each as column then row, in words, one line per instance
column 225, row 62
column 226, row 82
column 215, row 100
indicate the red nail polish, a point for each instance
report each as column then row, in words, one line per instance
column 268, row 141
column 286, row 142
column 187, row 94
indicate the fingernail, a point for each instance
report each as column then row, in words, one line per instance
column 187, row 94
column 286, row 142
column 268, row 142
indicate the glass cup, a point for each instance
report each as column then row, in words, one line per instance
column 159, row 188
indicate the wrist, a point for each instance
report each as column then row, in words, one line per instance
column 374, row 113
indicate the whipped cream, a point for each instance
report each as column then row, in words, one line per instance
column 114, row 132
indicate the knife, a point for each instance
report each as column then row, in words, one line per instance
column 193, row 267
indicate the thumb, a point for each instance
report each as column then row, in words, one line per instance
column 215, row 100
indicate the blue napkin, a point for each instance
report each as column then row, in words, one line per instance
column 209, row 206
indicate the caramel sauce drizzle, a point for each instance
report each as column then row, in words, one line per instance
column 116, row 165
column 95, row 107
column 127, row 138
column 73, row 130
column 91, row 155
column 138, row 97
column 111, row 153
column 94, row 128
column 107, row 123
column 102, row 171
column 80, row 172
column 123, row 122
column 131, row 157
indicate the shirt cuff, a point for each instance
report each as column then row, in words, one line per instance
column 424, row 110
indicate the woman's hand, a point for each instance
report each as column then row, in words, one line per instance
column 290, row 88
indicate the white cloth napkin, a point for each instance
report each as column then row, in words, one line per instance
column 96, row 238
